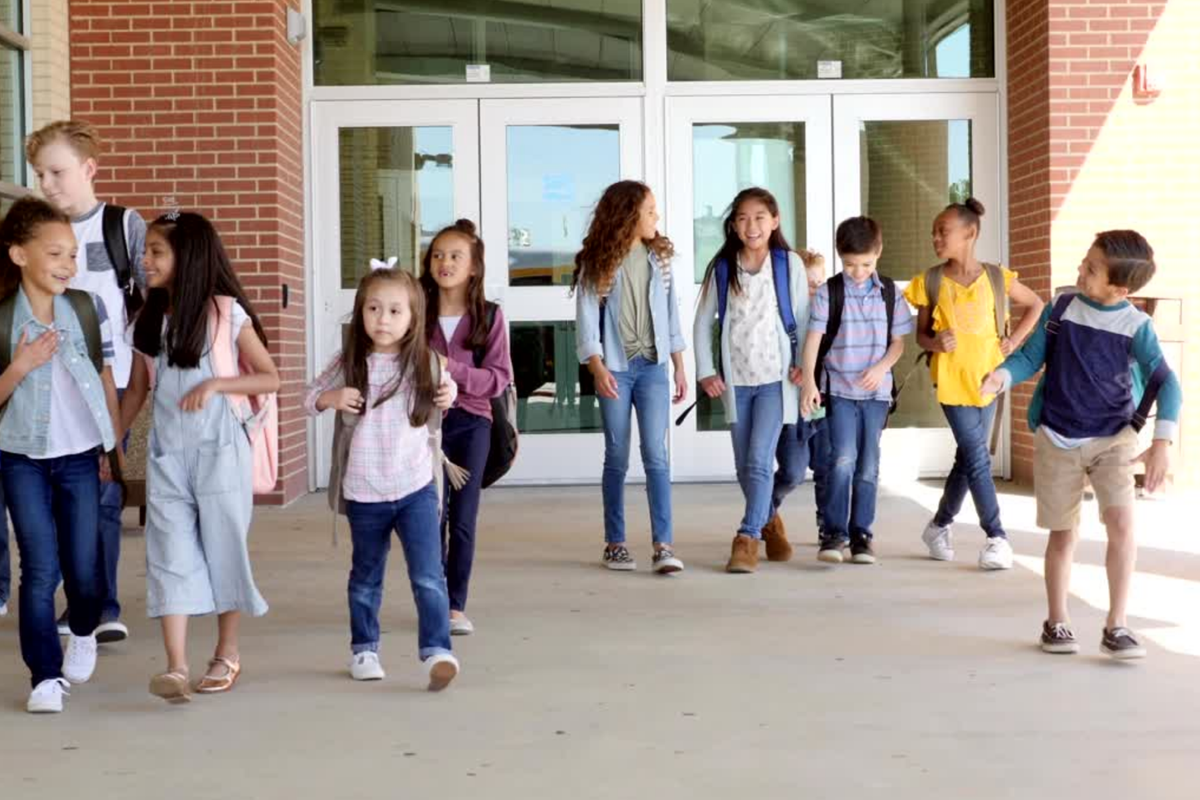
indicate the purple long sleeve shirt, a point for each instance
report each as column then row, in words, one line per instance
column 477, row 386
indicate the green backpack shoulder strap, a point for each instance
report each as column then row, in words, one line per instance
column 933, row 285
column 85, row 309
column 1000, row 296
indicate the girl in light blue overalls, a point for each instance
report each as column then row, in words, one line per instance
column 198, row 471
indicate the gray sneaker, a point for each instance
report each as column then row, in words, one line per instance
column 1120, row 643
column 665, row 562
column 1057, row 637
column 619, row 558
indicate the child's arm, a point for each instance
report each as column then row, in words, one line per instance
column 1024, row 363
column 114, row 413
column 1022, row 295
column 27, row 357
column 264, row 379
column 587, row 340
column 702, row 335
column 902, row 325
column 329, row 390
column 135, row 394
column 1147, row 352
column 678, row 343
column 810, row 395
column 495, row 373
column 447, row 391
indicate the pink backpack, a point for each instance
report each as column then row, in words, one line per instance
column 259, row 414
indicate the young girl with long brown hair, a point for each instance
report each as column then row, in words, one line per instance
column 627, row 325
column 385, row 386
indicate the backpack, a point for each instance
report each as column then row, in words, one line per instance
column 117, row 247
column 85, row 310
column 933, row 285
column 837, row 301
column 503, row 450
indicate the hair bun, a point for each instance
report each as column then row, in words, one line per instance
column 975, row 206
column 466, row 226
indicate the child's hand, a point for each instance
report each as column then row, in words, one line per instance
column 944, row 342
column 28, row 355
column 198, row 397
column 796, row 376
column 872, row 377
column 106, row 475
column 992, row 384
column 713, row 386
column 606, row 384
column 1157, row 461
column 810, row 399
column 443, row 397
column 1008, row 345
column 345, row 399
column 681, row 387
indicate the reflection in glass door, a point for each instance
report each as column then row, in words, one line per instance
column 901, row 160
column 386, row 178
column 717, row 146
column 538, row 192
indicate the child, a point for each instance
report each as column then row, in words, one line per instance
column 754, row 372
column 58, row 412
column 849, row 363
column 111, row 241
column 801, row 445
column 962, row 325
column 627, row 324
column 198, row 471
column 1085, row 421
column 472, row 335
column 385, row 387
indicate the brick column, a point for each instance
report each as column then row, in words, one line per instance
column 200, row 102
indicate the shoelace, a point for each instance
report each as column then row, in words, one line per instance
column 619, row 554
column 666, row 552
column 1059, row 630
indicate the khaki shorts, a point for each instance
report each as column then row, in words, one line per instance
column 1059, row 475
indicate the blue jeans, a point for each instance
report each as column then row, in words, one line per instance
column 800, row 447
column 55, row 526
column 415, row 518
column 755, row 436
column 643, row 388
column 466, row 440
column 972, row 469
column 855, row 427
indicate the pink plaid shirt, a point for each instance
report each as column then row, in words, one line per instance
column 389, row 458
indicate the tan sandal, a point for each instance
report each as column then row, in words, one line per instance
column 215, row 684
column 171, row 686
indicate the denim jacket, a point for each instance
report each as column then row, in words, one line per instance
column 664, row 307
column 25, row 425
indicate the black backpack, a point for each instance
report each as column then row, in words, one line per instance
column 837, row 301
column 503, row 450
column 117, row 247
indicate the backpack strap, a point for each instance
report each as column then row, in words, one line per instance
column 999, row 298
column 479, row 353
column 781, row 272
column 117, row 247
column 837, row 301
column 933, row 286
column 85, row 310
column 1150, row 395
column 887, row 288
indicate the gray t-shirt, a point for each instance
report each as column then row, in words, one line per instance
column 635, row 324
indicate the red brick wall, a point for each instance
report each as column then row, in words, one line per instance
column 200, row 102
column 1114, row 161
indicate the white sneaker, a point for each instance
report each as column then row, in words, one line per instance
column 79, row 662
column 461, row 626
column 939, row 541
column 47, row 697
column 442, row 669
column 996, row 554
column 365, row 666
column 113, row 631
column 3, row 609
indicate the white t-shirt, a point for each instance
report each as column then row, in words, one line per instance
column 449, row 326
column 72, row 428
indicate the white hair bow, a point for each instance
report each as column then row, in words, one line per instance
column 377, row 264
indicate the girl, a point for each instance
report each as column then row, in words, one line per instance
column 198, row 470
column 626, row 325
column 385, row 388
column 58, row 412
column 471, row 334
column 757, row 377
column 958, row 326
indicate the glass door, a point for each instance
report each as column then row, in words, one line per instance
column 547, row 163
column 901, row 160
column 386, row 178
column 717, row 146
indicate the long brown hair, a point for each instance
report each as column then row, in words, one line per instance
column 607, row 241
column 476, row 302
column 733, row 243
column 19, row 227
column 412, row 361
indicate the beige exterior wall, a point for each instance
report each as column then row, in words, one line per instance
column 49, row 34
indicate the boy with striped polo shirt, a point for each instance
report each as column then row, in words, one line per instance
column 1086, row 413
column 856, row 334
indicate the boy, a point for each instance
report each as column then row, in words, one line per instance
column 1085, row 423
column 800, row 446
column 856, row 334
column 64, row 158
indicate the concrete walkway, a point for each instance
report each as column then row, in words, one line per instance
column 909, row 679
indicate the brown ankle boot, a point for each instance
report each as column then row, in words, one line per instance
column 778, row 547
column 744, row 557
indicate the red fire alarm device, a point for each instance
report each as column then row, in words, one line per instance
column 1146, row 82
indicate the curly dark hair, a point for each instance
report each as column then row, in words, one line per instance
column 21, row 225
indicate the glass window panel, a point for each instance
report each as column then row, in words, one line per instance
column 10, row 15
column 784, row 39
column 917, row 406
column 555, row 393
column 364, row 42
column 12, row 117
column 397, row 192
column 910, row 171
column 730, row 156
column 556, row 173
